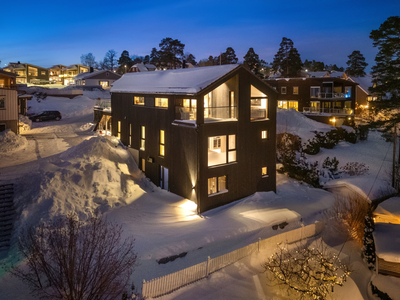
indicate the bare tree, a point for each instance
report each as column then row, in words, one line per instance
column 110, row 60
column 347, row 216
column 88, row 60
column 70, row 259
column 309, row 273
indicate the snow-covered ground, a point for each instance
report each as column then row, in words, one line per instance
column 65, row 167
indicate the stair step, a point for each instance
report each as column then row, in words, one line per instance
column 5, row 207
column 6, row 219
column 4, row 214
column 5, row 235
column 6, row 191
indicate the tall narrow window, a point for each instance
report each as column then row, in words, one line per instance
column 258, row 104
column 232, row 148
column 142, row 138
column 295, row 90
column 130, row 135
column 162, row 143
column 232, row 113
column 119, row 129
column 143, row 165
column 161, row 102
column 264, row 134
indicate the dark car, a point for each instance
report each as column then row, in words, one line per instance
column 46, row 116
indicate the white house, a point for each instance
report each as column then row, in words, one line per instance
column 104, row 78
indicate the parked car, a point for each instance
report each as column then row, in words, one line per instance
column 46, row 116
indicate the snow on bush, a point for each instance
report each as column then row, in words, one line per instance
column 354, row 169
column 10, row 142
column 24, row 123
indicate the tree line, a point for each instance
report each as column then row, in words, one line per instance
column 171, row 55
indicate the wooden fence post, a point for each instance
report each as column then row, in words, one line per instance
column 144, row 289
column 208, row 266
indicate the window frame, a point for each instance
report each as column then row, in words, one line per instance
column 139, row 102
column 159, row 101
column 3, row 100
column 283, row 90
column 264, row 172
column 142, row 145
column 295, row 90
column 264, row 136
column 218, row 188
column 162, row 143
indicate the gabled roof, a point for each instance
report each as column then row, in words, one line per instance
column 364, row 82
column 8, row 74
column 181, row 81
column 91, row 74
column 317, row 74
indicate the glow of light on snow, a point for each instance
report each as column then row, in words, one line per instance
column 188, row 211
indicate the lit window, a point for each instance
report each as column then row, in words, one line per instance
column 130, row 134
column 104, row 84
column 282, row 104
column 162, row 143
column 264, row 171
column 119, row 129
column 221, row 149
column 347, row 92
column 162, row 102
column 43, row 72
column 293, row 105
column 315, row 91
column 217, row 185
column 283, row 90
column 138, row 100
column 258, row 104
column 142, row 138
column 143, row 165
column 295, row 90
column 264, row 134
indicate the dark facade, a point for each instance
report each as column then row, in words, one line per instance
column 217, row 145
column 8, row 102
column 323, row 99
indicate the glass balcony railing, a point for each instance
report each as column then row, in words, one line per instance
column 220, row 112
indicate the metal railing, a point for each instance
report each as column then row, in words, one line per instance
column 103, row 103
column 336, row 111
column 8, row 87
column 331, row 96
column 187, row 113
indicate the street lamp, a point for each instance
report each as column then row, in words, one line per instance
column 125, row 68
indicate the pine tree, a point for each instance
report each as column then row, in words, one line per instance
column 356, row 64
column 171, row 53
column 252, row 61
column 287, row 60
column 124, row 62
column 155, row 57
column 387, row 68
column 229, row 57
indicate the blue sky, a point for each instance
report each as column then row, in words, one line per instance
column 47, row 33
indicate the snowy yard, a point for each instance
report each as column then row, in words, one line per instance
column 63, row 166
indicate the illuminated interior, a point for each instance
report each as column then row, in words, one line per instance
column 221, row 149
column 258, row 104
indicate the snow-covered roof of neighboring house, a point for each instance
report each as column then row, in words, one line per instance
column 317, row 74
column 91, row 74
column 74, row 66
column 180, row 81
column 8, row 74
column 363, row 82
column 387, row 241
column 388, row 211
column 338, row 74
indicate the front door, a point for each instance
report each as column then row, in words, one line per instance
column 164, row 178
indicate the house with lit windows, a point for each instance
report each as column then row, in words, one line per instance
column 331, row 100
column 206, row 134
column 104, row 78
column 28, row 73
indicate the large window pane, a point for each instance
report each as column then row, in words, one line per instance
column 161, row 102
column 216, row 150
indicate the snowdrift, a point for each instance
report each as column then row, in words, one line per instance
column 10, row 142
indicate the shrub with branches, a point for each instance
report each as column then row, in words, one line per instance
column 347, row 217
column 309, row 273
column 70, row 259
column 354, row 168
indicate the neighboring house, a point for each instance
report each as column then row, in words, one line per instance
column 28, row 73
column 387, row 237
column 206, row 134
column 68, row 73
column 141, row 67
column 363, row 96
column 104, row 78
column 326, row 99
column 8, row 101
column 55, row 73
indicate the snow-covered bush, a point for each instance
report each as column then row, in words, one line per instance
column 11, row 142
column 311, row 147
column 354, row 169
column 24, row 123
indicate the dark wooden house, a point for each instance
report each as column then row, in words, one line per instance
column 206, row 134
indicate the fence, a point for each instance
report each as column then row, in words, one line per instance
column 171, row 282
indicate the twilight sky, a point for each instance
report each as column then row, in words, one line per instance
column 45, row 33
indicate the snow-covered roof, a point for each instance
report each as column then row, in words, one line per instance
column 317, row 74
column 91, row 74
column 181, row 81
column 338, row 74
column 387, row 241
column 363, row 82
column 388, row 211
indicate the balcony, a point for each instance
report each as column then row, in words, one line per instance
column 220, row 113
column 8, row 87
column 328, row 111
column 103, row 104
column 332, row 96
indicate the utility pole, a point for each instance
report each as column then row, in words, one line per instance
column 394, row 156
